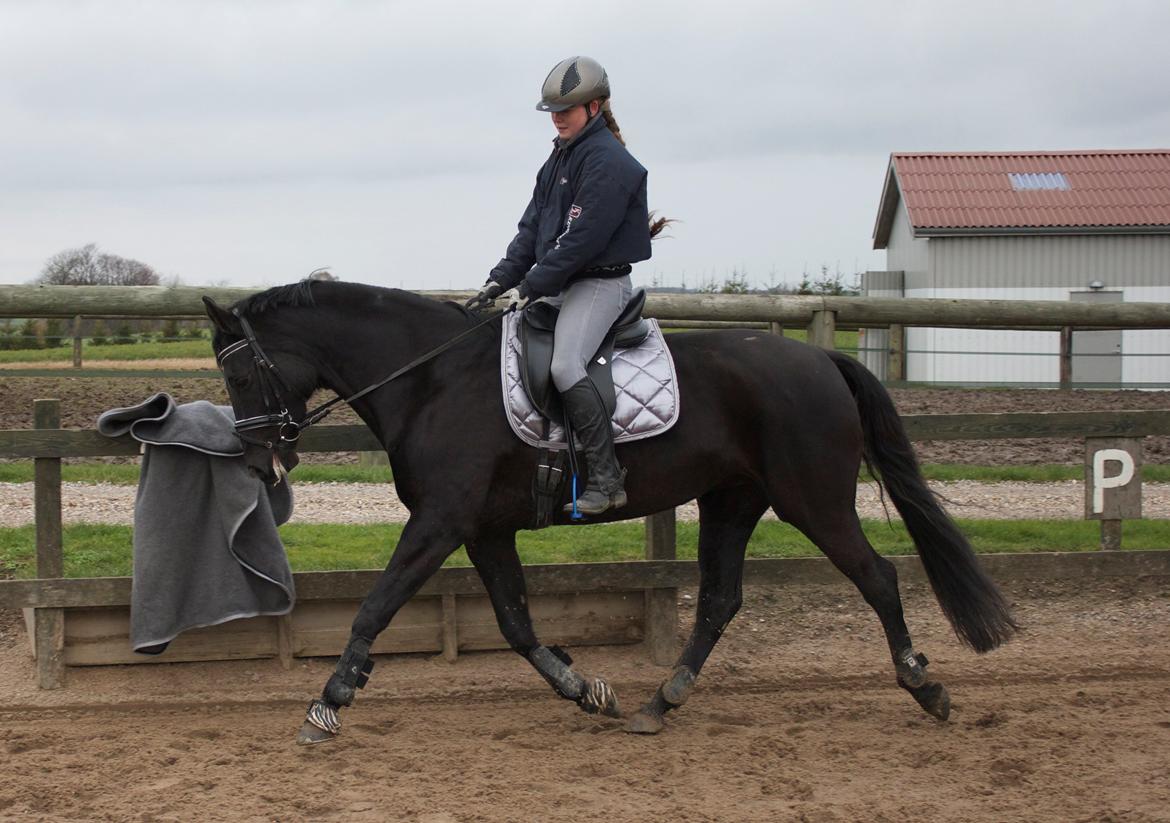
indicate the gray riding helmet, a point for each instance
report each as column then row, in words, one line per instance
column 572, row 82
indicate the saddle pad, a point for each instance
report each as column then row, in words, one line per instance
column 644, row 382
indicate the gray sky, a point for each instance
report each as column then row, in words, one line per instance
column 250, row 142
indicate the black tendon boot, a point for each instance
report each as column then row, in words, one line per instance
column 586, row 413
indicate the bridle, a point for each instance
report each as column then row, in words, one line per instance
column 273, row 388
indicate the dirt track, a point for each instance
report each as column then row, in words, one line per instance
column 796, row 718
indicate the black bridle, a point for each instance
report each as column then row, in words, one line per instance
column 272, row 383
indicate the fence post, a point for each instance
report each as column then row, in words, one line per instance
column 1066, row 333
column 48, row 624
column 822, row 328
column 77, row 341
column 896, row 365
column 661, row 604
column 776, row 328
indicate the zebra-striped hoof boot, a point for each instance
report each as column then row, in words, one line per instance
column 321, row 724
column 599, row 698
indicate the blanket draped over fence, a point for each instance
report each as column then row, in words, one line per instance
column 206, row 548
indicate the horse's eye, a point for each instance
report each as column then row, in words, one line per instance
column 239, row 381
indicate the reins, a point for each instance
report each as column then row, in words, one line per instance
column 289, row 429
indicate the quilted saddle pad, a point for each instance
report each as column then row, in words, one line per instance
column 644, row 383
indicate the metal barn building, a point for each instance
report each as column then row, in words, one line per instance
column 1080, row 225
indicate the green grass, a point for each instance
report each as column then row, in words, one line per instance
column 100, row 551
column 130, row 351
column 21, row 471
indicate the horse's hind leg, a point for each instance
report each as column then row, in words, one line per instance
column 499, row 567
column 839, row 536
column 726, row 520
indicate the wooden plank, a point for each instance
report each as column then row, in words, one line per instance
column 47, row 495
column 185, row 301
column 88, row 443
column 77, row 342
column 1037, row 424
column 896, row 365
column 101, row 636
column 599, row 618
column 322, row 628
column 564, row 578
column 63, row 443
column 661, row 604
column 284, row 640
column 49, row 623
column 1066, row 357
column 18, row 443
column 450, row 628
column 822, row 329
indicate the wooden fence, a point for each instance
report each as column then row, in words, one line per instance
column 819, row 316
column 85, row 620
column 80, row 621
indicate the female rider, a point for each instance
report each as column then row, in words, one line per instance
column 586, row 224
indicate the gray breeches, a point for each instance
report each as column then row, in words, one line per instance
column 588, row 309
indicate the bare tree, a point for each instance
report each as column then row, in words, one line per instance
column 87, row 267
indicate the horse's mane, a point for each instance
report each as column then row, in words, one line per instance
column 293, row 294
column 302, row 294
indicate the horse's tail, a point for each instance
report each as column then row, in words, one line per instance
column 970, row 599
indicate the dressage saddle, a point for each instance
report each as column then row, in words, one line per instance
column 536, row 350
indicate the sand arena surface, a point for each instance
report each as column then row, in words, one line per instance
column 796, row 717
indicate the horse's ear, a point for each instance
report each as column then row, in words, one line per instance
column 221, row 317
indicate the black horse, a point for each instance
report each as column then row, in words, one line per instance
column 765, row 422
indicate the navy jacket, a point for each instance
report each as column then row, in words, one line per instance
column 588, row 210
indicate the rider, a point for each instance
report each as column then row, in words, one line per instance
column 586, row 224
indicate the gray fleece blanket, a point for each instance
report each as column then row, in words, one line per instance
column 206, row 549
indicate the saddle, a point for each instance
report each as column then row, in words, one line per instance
column 536, row 351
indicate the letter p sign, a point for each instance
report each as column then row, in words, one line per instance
column 1113, row 489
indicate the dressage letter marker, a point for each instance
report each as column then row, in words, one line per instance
column 1113, row 488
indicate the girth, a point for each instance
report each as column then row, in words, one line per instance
column 536, row 351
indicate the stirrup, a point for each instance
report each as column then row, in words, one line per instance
column 614, row 500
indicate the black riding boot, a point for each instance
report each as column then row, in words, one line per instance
column 586, row 414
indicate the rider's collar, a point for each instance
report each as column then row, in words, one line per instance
column 598, row 122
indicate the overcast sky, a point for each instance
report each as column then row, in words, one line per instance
column 396, row 142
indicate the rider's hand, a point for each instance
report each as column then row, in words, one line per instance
column 486, row 297
column 524, row 296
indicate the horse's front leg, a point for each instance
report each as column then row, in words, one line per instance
column 499, row 567
column 423, row 547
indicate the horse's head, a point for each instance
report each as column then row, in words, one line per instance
column 269, row 387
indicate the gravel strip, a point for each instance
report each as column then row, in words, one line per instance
column 357, row 503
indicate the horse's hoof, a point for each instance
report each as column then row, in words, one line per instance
column 933, row 698
column 310, row 734
column 599, row 698
column 676, row 690
column 643, row 722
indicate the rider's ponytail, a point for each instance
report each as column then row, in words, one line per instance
column 611, row 122
column 656, row 225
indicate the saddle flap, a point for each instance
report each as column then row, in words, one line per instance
column 537, row 329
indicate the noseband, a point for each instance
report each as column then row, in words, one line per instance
column 271, row 385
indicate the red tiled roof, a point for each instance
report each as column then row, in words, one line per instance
column 973, row 193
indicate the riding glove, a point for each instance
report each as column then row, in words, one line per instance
column 487, row 295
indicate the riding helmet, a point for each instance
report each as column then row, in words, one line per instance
column 572, row 82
